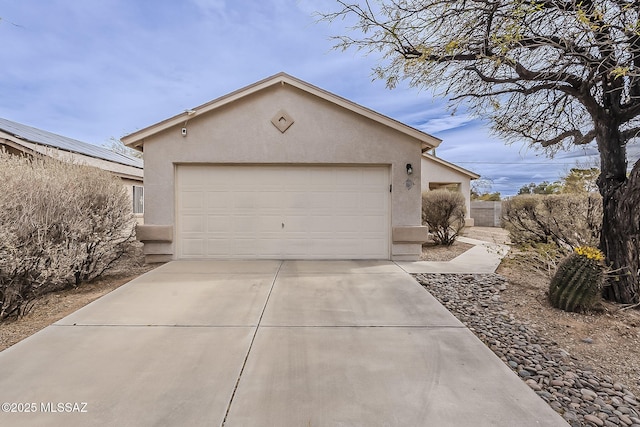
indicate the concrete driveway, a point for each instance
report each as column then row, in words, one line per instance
column 264, row 343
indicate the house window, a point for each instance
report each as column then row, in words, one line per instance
column 138, row 199
column 453, row 186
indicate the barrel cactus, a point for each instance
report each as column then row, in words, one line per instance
column 577, row 284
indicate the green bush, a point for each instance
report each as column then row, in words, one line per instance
column 60, row 224
column 566, row 220
column 443, row 211
column 577, row 284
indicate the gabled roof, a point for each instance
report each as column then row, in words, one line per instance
column 17, row 132
column 449, row 165
column 136, row 139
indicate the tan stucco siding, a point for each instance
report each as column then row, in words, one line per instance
column 433, row 172
column 322, row 133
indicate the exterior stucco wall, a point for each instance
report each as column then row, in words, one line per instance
column 433, row 172
column 322, row 133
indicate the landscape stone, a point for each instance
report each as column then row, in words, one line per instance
column 575, row 391
column 593, row 419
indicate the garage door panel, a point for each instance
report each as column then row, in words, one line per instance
column 371, row 223
column 346, row 225
column 349, row 202
column 265, row 248
column 321, row 202
column 372, row 202
column 239, row 212
column 267, row 200
column 371, row 177
column 193, row 223
column 244, row 200
column 346, row 176
column 193, row 200
column 218, row 201
column 341, row 247
column 218, row 224
column 193, row 247
column 218, row 248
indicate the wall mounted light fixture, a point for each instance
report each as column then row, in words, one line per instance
column 409, row 169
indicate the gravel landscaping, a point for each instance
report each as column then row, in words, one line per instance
column 582, row 396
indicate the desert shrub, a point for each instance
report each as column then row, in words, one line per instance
column 566, row 220
column 577, row 284
column 60, row 224
column 443, row 211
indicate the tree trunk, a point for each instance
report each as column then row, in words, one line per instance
column 620, row 236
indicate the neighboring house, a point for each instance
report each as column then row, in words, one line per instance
column 17, row 138
column 438, row 173
column 282, row 169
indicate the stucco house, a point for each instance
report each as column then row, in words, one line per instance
column 282, row 169
column 438, row 173
column 16, row 138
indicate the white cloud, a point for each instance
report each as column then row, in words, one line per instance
column 216, row 7
column 442, row 124
column 95, row 70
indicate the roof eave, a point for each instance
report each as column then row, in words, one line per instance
column 136, row 139
column 450, row 165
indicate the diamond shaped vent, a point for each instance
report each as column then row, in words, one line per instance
column 282, row 121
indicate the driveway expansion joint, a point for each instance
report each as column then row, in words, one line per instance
column 253, row 338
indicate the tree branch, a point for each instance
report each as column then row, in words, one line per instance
column 578, row 138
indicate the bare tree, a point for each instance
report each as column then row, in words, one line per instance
column 553, row 73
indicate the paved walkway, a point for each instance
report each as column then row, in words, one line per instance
column 484, row 257
column 264, row 343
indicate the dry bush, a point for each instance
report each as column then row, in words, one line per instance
column 566, row 220
column 443, row 211
column 60, row 224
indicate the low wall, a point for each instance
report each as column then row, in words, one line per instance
column 486, row 214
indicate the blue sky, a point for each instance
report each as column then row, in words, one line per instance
column 99, row 69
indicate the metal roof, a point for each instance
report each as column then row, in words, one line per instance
column 49, row 139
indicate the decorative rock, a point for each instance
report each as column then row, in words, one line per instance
column 613, row 420
column 524, row 373
column 534, row 385
column 630, row 400
column 588, row 394
column 594, row 420
column 575, row 391
column 570, row 416
column 625, row 419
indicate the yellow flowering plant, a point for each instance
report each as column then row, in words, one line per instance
column 590, row 252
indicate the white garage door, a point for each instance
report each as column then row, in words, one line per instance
column 283, row 212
